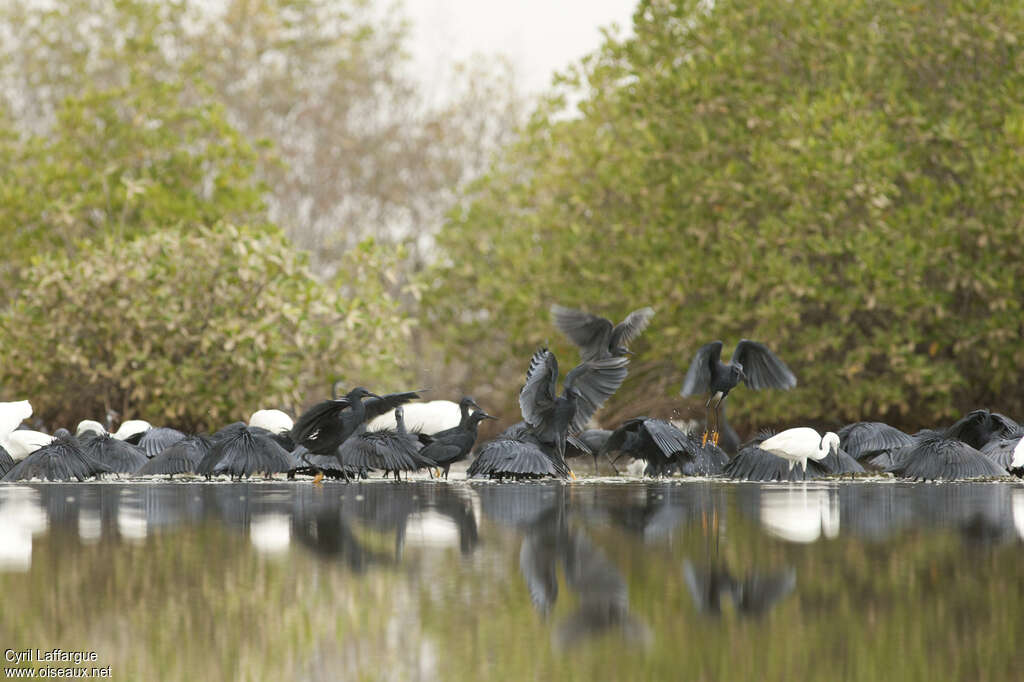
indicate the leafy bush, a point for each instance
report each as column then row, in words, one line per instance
column 840, row 180
column 123, row 161
column 190, row 329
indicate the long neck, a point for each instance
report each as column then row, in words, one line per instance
column 358, row 410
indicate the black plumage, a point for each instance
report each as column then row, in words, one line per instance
column 1000, row 450
column 589, row 443
column 61, row 460
column 586, row 387
column 978, row 427
column 119, row 456
column 752, row 463
column 328, row 465
column 239, row 451
column 595, row 336
column 664, row 448
column 839, row 462
column 6, row 461
column 386, row 450
column 865, row 441
column 180, row 458
column 521, row 457
column 453, row 445
column 935, row 456
column 752, row 363
column 326, row 425
column 159, row 438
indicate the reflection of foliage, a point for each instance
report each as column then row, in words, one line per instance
column 193, row 601
column 230, row 321
column 841, row 180
column 196, row 605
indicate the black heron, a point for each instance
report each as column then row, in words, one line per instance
column 595, row 336
column 752, row 363
column 452, row 445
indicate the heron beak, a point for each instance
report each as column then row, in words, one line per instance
column 489, row 416
column 372, row 395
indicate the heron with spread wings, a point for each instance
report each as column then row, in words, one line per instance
column 595, row 336
column 752, row 363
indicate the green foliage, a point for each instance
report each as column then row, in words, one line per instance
column 840, row 180
column 122, row 162
column 357, row 147
column 192, row 329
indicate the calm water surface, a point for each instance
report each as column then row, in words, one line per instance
column 588, row 581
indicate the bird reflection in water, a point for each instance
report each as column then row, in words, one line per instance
column 800, row 513
column 550, row 541
column 715, row 586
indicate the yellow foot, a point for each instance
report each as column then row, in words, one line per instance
column 572, row 475
column 704, row 440
column 318, row 478
column 437, row 473
column 714, row 438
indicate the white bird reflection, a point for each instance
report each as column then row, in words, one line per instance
column 131, row 518
column 270, row 534
column 1017, row 505
column 431, row 529
column 800, row 513
column 21, row 517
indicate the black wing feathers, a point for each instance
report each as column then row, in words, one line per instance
column 763, row 368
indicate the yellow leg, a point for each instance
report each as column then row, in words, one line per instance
column 318, row 478
column 704, row 440
column 714, row 438
column 572, row 475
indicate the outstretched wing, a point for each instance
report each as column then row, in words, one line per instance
column 669, row 439
column 596, row 381
column 621, row 435
column 763, row 368
column 590, row 332
column 537, row 398
column 631, row 327
column 375, row 407
column 698, row 377
column 313, row 419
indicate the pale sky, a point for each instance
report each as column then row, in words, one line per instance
column 539, row 36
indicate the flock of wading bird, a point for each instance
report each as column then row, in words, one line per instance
column 353, row 435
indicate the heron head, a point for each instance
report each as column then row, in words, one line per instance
column 738, row 373
column 359, row 392
column 831, row 440
column 467, row 402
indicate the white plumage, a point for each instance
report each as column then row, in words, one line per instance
column 428, row 418
column 1018, row 455
column 132, row 427
column 801, row 444
column 274, row 421
column 12, row 414
column 21, row 444
column 90, row 425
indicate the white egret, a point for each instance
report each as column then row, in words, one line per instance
column 801, row 444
